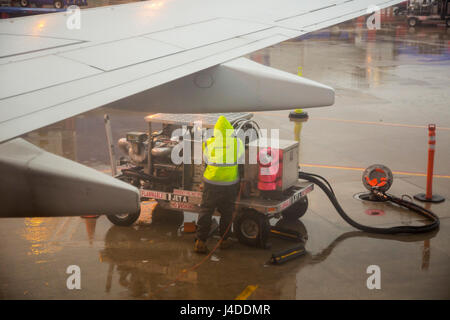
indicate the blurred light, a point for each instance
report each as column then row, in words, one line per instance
column 155, row 5
column 39, row 26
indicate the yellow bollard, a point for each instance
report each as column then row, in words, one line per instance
column 297, row 130
column 298, row 116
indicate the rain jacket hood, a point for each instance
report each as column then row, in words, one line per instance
column 223, row 127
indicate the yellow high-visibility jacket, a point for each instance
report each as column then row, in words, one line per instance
column 221, row 153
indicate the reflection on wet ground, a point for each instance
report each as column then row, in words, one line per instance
column 153, row 261
column 390, row 84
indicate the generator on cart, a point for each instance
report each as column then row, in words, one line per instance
column 167, row 165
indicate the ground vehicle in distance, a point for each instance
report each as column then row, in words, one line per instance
column 58, row 4
column 401, row 8
column 178, row 186
column 428, row 11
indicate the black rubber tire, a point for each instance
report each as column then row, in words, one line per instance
column 24, row 3
column 248, row 220
column 413, row 22
column 124, row 220
column 297, row 210
column 58, row 4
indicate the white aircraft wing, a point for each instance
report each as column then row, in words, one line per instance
column 50, row 71
column 156, row 56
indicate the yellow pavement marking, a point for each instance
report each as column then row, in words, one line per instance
column 246, row 293
column 380, row 123
column 404, row 173
column 358, row 121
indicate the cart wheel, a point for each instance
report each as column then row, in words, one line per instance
column 125, row 219
column 58, row 4
column 412, row 22
column 252, row 228
column 297, row 210
column 24, row 3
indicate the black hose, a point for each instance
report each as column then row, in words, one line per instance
column 392, row 230
column 319, row 257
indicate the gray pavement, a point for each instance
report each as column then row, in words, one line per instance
column 390, row 84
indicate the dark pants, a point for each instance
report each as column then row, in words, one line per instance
column 216, row 197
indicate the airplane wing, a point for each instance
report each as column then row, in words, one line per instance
column 50, row 70
column 37, row 183
column 156, row 56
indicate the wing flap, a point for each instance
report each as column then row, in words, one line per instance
column 119, row 54
column 22, row 44
column 330, row 12
column 196, row 35
column 37, row 74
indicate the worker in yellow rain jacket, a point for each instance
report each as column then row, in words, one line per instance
column 222, row 153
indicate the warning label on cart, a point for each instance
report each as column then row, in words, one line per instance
column 285, row 204
column 295, row 197
column 183, row 205
column 152, row 194
column 191, row 194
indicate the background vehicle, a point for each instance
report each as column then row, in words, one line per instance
column 428, row 11
column 58, row 4
column 401, row 8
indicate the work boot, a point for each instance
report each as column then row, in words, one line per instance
column 226, row 243
column 200, row 246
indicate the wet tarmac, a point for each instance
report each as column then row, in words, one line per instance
column 390, row 84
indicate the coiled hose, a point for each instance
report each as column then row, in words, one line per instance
column 322, row 183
